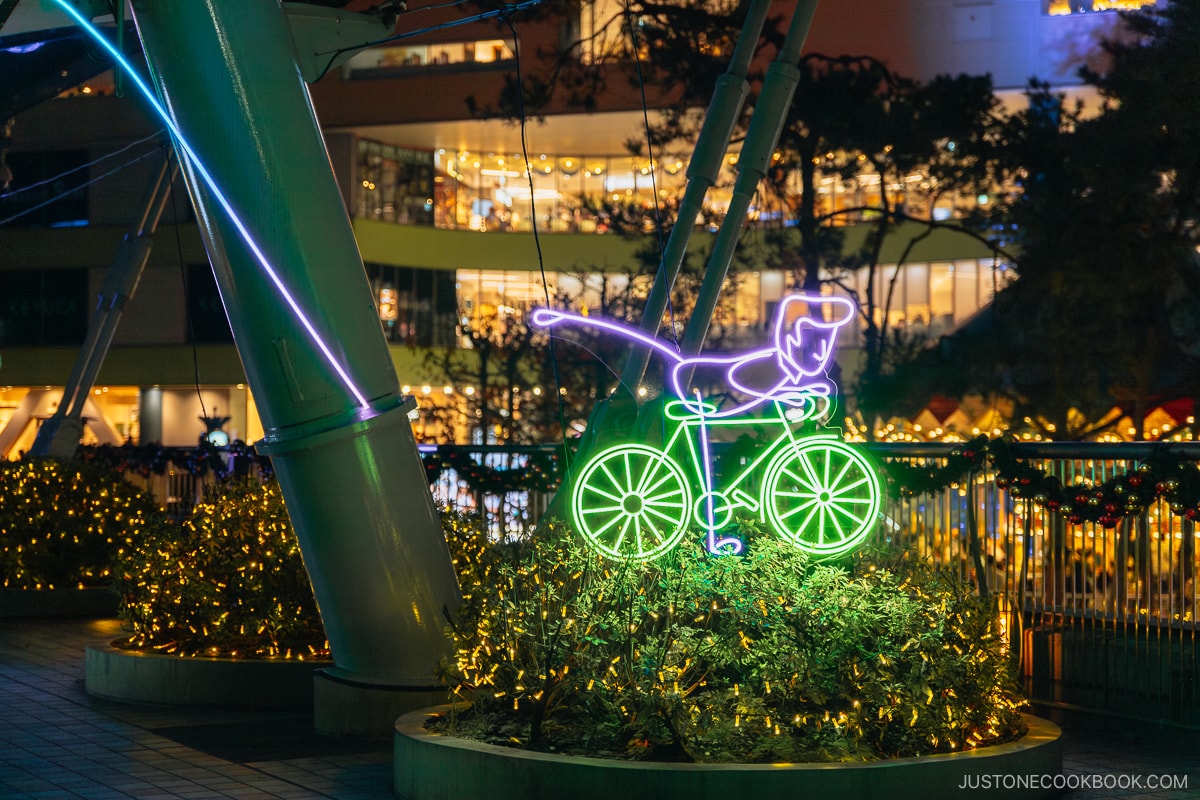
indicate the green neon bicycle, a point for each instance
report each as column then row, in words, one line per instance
column 636, row 501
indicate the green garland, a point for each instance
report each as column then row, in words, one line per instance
column 1165, row 475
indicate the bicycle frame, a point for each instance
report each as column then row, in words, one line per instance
column 636, row 500
column 708, row 514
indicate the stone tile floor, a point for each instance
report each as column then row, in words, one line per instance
column 57, row 742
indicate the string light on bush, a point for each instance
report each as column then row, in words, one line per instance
column 716, row 666
column 229, row 581
column 64, row 525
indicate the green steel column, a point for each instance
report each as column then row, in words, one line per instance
column 770, row 117
column 354, row 483
column 729, row 95
column 59, row 436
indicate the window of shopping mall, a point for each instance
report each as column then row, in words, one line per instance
column 493, row 191
column 43, row 307
column 207, row 322
column 1065, row 7
column 511, row 292
column 396, row 60
column 416, row 306
column 575, row 193
column 931, row 298
column 48, row 189
column 170, row 415
column 395, row 184
column 926, row 298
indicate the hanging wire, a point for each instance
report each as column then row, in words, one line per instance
column 658, row 227
column 187, row 300
column 537, row 242
column 74, row 189
column 88, row 165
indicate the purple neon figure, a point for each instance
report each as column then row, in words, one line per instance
column 791, row 371
column 629, row 499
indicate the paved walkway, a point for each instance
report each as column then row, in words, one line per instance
column 57, row 742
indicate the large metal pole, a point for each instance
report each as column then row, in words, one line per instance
column 765, row 127
column 729, row 95
column 309, row 337
column 59, row 436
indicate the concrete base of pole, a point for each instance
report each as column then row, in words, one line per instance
column 344, row 707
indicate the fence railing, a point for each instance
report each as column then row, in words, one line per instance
column 1104, row 615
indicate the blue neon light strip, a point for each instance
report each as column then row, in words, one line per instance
column 211, row 183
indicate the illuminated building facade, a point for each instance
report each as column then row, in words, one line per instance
column 441, row 205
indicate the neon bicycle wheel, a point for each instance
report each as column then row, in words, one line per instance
column 631, row 501
column 822, row 495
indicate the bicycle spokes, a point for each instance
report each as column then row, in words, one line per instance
column 632, row 501
column 822, row 495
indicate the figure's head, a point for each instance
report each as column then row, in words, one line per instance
column 804, row 330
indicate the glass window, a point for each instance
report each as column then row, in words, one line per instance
column 941, row 296
column 1064, row 7
column 892, row 307
column 395, row 184
column 485, row 292
column 383, row 61
column 416, row 306
column 489, row 51
column 966, row 289
column 602, row 38
column 207, row 321
column 43, row 307
column 916, row 294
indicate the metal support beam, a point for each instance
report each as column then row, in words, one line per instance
column 619, row 413
column 327, row 37
column 6, row 9
column 306, row 328
column 59, row 436
column 729, row 95
column 770, row 114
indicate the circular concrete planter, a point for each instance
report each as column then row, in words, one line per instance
column 132, row 676
column 89, row 603
column 433, row 766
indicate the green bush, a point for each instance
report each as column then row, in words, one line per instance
column 229, row 581
column 63, row 525
column 756, row 658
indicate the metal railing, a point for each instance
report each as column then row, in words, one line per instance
column 1101, row 617
column 1104, row 617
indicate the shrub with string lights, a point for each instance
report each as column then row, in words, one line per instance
column 62, row 525
column 756, row 658
column 227, row 582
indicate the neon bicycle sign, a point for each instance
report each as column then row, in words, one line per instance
column 637, row 500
